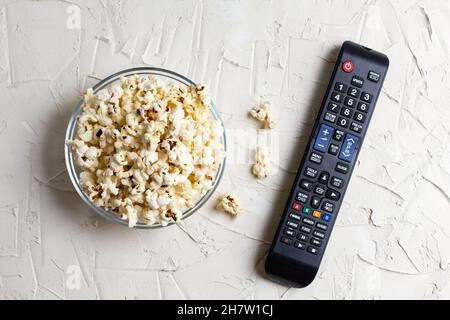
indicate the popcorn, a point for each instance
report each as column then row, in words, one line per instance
column 229, row 204
column 263, row 167
column 147, row 150
column 262, row 113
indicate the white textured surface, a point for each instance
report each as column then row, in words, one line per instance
column 392, row 238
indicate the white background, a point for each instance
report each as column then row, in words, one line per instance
column 392, row 238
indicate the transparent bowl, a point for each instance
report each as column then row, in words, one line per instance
column 73, row 170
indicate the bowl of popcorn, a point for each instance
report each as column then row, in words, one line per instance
column 145, row 147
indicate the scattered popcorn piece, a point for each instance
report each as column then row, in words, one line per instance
column 229, row 204
column 147, row 150
column 263, row 167
column 262, row 113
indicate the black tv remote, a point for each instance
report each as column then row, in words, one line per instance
column 327, row 165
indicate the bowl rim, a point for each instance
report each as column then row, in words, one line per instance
column 72, row 125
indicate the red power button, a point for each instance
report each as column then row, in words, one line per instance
column 347, row 66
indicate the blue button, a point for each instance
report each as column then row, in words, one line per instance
column 323, row 138
column 348, row 147
column 326, row 217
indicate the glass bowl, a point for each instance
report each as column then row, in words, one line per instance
column 73, row 171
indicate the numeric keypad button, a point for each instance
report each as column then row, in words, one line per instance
column 360, row 117
column 333, row 107
column 353, row 92
column 363, row 107
column 367, row 97
column 340, row 87
column 343, row 122
column 337, row 97
column 350, row 102
column 346, row 112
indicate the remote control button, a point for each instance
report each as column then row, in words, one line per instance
column 292, row 224
column 313, row 250
column 326, row 217
column 340, row 87
column 330, row 117
column 320, row 190
column 346, row 112
column 308, row 221
column 305, row 229
column 353, row 92
column 341, row 167
column 347, row 66
column 294, row 216
column 286, row 240
column 356, row 127
column 299, row 245
column 357, row 81
column 307, row 185
column 318, row 234
column 316, row 158
column 323, row 138
column 321, row 226
column 337, row 182
column 302, row 197
column 337, row 97
column 289, row 232
column 367, row 97
column 307, row 210
column 333, row 149
column 333, row 107
column 349, row 102
column 360, row 117
column 317, row 214
column 315, row 242
column 348, row 147
column 302, row 237
column 333, row 195
column 324, row 176
column 327, row 206
column 338, row 135
column 363, row 107
column 315, row 202
column 311, row 172
column 343, row 122
column 373, row 76
column 296, row 206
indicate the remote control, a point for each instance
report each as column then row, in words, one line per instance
column 327, row 165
